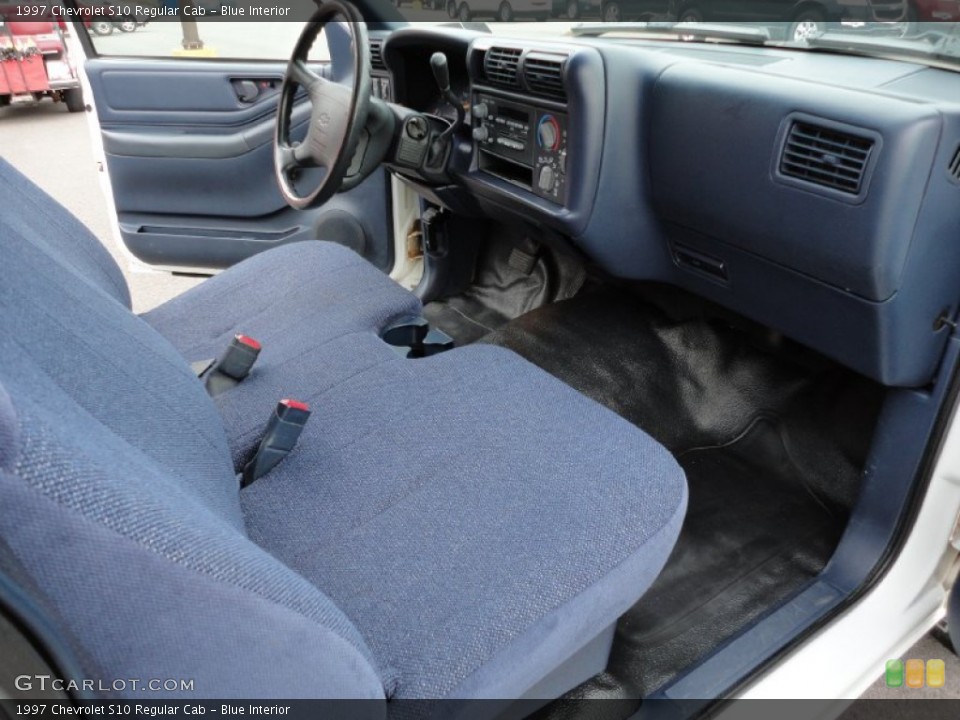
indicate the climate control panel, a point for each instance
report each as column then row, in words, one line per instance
column 550, row 161
column 522, row 144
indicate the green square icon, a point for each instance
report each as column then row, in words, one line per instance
column 894, row 674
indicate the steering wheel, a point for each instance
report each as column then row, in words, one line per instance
column 338, row 111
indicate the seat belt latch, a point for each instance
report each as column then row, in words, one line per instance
column 238, row 359
column 232, row 366
column 279, row 438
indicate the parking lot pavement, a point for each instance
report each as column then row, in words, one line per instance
column 52, row 147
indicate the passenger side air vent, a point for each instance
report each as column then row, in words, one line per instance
column 500, row 66
column 376, row 55
column 544, row 75
column 827, row 157
column 954, row 167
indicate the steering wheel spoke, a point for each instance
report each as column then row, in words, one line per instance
column 303, row 76
column 293, row 156
column 302, row 156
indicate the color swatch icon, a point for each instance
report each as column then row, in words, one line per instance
column 915, row 669
column 936, row 674
column 894, row 673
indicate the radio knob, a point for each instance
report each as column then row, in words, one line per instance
column 481, row 111
column 480, row 134
column 547, row 178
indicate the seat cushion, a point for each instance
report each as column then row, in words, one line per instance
column 290, row 298
column 316, row 307
column 143, row 577
column 476, row 519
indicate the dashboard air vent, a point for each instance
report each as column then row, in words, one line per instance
column 955, row 165
column 544, row 75
column 823, row 156
column 500, row 66
column 376, row 55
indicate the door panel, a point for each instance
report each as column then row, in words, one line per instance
column 190, row 157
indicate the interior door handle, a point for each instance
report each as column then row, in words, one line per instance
column 249, row 90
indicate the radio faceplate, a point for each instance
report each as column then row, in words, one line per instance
column 522, row 144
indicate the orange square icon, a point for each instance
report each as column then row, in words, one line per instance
column 936, row 674
column 914, row 673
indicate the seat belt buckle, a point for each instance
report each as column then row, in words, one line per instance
column 279, row 438
column 239, row 358
column 233, row 365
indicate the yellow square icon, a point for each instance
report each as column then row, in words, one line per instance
column 914, row 673
column 936, row 674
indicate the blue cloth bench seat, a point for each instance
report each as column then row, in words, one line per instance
column 461, row 526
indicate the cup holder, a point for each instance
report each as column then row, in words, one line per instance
column 413, row 338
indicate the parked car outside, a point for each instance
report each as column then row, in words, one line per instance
column 501, row 10
column 933, row 10
column 804, row 17
column 576, row 9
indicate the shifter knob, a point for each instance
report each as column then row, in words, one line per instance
column 441, row 71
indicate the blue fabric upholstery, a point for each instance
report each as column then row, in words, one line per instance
column 112, row 364
column 317, row 308
column 306, row 377
column 451, row 527
column 475, row 518
column 54, row 229
column 291, row 299
column 117, row 493
column 300, row 300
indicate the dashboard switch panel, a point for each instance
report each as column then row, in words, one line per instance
column 532, row 141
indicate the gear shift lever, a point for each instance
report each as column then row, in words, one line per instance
column 441, row 73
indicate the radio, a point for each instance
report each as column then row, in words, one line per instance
column 522, row 144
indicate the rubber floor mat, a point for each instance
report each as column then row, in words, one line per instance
column 772, row 449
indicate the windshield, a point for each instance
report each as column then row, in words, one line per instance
column 932, row 43
column 920, row 31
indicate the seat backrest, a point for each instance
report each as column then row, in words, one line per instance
column 51, row 226
column 117, row 494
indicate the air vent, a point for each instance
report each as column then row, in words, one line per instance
column 500, row 66
column 544, row 75
column 823, row 156
column 376, row 55
column 954, row 167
